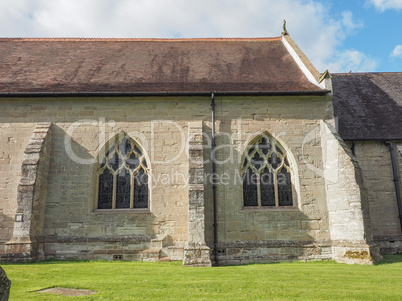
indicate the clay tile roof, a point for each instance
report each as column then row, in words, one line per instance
column 368, row 105
column 148, row 65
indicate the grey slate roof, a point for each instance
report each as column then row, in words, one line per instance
column 368, row 106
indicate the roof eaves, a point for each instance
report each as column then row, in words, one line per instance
column 258, row 39
column 183, row 93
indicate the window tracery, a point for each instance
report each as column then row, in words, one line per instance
column 123, row 177
column 266, row 175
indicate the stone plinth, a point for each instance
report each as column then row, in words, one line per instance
column 197, row 256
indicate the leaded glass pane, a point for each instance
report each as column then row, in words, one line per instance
column 141, row 190
column 264, row 146
column 251, row 150
column 132, row 162
column 111, row 149
column 137, row 150
column 267, row 188
column 105, row 192
column 115, row 162
column 278, row 149
column 125, row 147
column 123, row 189
column 144, row 163
column 250, row 188
column 285, row 188
column 274, row 161
column 103, row 163
column 257, row 161
column 245, row 162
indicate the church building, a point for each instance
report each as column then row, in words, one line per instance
column 210, row 151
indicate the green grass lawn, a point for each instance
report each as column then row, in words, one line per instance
column 170, row 280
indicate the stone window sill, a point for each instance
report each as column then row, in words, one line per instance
column 108, row 211
column 269, row 208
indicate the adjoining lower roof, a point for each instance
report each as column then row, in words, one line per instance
column 368, row 105
column 148, row 65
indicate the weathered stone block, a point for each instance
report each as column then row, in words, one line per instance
column 194, row 256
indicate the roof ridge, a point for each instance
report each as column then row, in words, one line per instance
column 139, row 39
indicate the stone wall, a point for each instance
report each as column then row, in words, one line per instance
column 375, row 161
column 347, row 201
column 268, row 234
column 14, row 136
column 73, row 228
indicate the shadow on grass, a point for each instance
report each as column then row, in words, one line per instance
column 49, row 261
column 389, row 259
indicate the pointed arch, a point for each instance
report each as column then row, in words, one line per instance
column 267, row 173
column 122, row 175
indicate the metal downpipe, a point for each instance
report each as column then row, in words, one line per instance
column 213, row 181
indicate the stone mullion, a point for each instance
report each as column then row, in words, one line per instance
column 114, row 189
column 258, row 188
column 131, row 189
column 275, row 173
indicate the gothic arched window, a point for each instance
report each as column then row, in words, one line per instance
column 266, row 174
column 123, row 176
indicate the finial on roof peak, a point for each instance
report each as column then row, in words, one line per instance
column 324, row 75
column 284, row 32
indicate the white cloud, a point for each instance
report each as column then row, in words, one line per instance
column 383, row 5
column 348, row 22
column 310, row 23
column 397, row 52
column 352, row 60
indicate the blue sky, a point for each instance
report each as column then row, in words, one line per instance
column 378, row 31
column 339, row 35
